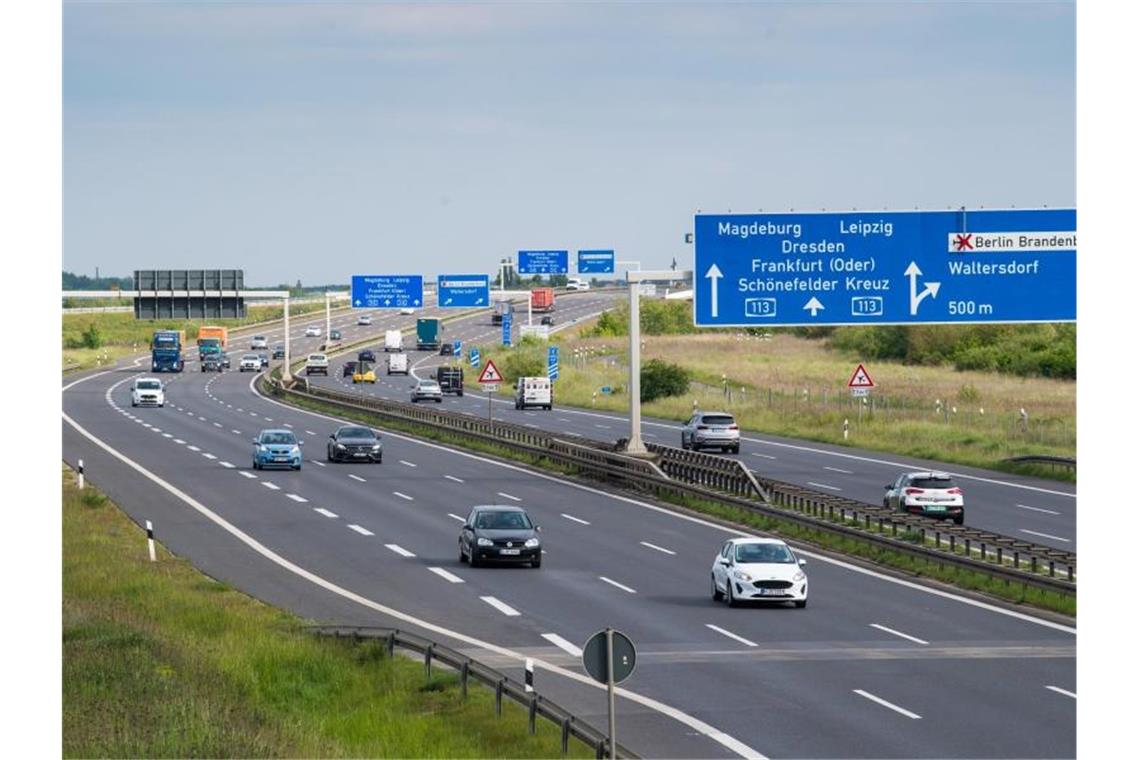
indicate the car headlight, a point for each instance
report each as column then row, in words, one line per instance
column 340, row 445
column 742, row 576
column 485, row 542
column 799, row 576
column 531, row 543
column 375, row 447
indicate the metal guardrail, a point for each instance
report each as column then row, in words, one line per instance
column 504, row 686
column 678, row 474
column 1052, row 461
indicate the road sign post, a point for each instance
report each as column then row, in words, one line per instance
column 489, row 380
column 909, row 267
column 610, row 658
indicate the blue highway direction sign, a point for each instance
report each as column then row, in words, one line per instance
column 507, row 329
column 544, row 262
column 595, row 262
column 387, row 291
column 455, row 291
column 869, row 267
column 552, row 362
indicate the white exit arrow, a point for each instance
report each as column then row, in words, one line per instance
column 814, row 305
column 713, row 275
column 931, row 288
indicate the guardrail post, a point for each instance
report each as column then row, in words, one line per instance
column 1016, row 560
column 565, row 735
column 463, row 673
column 951, row 543
column 533, row 711
column 391, row 643
column 1052, row 569
column 499, row 698
column 427, row 658
column 1033, row 563
column 999, row 555
column 967, row 548
column 1070, row 573
column 600, row 749
column 982, row 550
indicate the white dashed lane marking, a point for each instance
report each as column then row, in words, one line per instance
column 361, row 531
column 886, row 704
column 403, row 496
column 452, row 477
column 449, row 577
column 730, row 635
column 227, row 465
column 655, row 547
column 508, row 496
column 357, row 477
column 454, row 516
column 900, row 634
column 575, row 519
column 296, row 498
column 615, row 584
column 506, row 609
column 245, row 474
column 325, row 512
column 562, row 644
column 271, row 486
column 399, row 550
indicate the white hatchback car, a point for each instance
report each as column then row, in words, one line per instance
column 148, row 391
column 313, row 331
column 250, row 363
column 364, row 319
column 758, row 569
column 930, row 494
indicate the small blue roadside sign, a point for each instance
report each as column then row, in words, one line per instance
column 606, row 389
column 473, row 357
column 507, row 329
column 384, row 291
column 457, row 348
column 552, row 362
column 455, row 291
column 595, row 262
column 870, row 267
column 544, row 262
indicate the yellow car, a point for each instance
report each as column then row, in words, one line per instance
column 364, row 374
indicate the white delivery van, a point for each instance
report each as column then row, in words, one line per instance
column 533, row 391
column 398, row 364
column 393, row 340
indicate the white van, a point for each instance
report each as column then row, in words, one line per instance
column 398, row 364
column 577, row 283
column 533, row 391
column 393, row 341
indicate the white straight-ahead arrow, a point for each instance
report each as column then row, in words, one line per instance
column 713, row 275
column 814, row 305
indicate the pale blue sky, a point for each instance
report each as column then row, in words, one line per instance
column 313, row 140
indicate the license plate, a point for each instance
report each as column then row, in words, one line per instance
column 771, row 591
column 360, row 454
column 509, row 551
column 280, row 459
column 936, row 508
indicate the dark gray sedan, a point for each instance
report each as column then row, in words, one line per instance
column 351, row 443
column 501, row 534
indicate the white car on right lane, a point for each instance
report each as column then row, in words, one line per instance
column 758, row 569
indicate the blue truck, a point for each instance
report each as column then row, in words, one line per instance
column 166, row 351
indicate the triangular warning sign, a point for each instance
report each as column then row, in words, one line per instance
column 860, row 379
column 490, row 374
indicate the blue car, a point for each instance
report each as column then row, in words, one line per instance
column 276, row 448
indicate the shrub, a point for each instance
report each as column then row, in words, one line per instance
column 661, row 379
column 92, row 338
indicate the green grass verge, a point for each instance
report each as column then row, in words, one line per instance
column 161, row 661
column 966, row 579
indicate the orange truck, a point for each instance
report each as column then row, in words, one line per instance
column 210, row 337
column 542, row 299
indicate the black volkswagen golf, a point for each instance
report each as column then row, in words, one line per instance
column 499, row 533
column 351, row 443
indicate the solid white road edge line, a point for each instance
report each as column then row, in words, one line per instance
column 900, row 634
column 699, row 521
column 886, row 704
column 1059, row 690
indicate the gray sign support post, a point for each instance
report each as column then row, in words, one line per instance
column 600, row 662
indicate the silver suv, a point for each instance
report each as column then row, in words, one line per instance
column 711, row 430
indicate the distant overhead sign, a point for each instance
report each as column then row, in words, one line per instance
column 455, row 291
column 385, row 291
column 595, row 262
column 909, row 267
column 544, row 262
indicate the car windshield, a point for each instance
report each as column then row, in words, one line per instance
column 502, row 521
column 718, row 419
column 926, row 481
column 354, row 432
column 149, row 385
column 251, row 358
column 317, row 358
column 259, row 337
column 278, row 437
column 428, row 384
column 767, row 553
